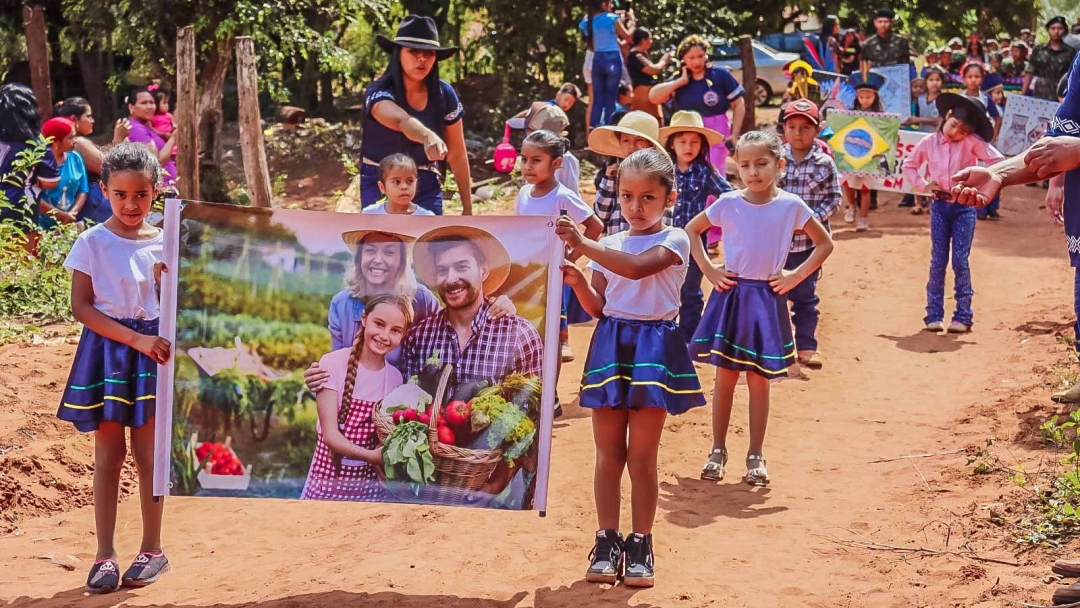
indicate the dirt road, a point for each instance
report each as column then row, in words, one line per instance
column 887, row 390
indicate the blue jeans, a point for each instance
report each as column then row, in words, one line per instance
column 428, row 189
column 804, row 303
column 950, row 224
column 692, row 299
column 992, row 206
column 606, row 74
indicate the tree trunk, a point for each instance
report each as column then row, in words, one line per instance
column 37, row 52
column 326, row 94
column 749, row 78
column 211, row 117
column 256, row 171
column 91, row 64
column 309, row 84
column 187, row 158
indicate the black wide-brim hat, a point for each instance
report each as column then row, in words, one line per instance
column 417, row 32
column 973, row 111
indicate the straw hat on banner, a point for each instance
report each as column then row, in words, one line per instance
column 496, row 256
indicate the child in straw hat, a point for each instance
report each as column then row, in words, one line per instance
column 635, row 131
column 698, row 184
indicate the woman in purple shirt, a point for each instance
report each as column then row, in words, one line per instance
column 708, row 90
column 141, row 107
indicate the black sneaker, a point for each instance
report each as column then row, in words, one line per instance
column 639, row 561
column 558, row 407
column 147, row 568
column 993, row 214
column 907, row 201
column 104, row 577
column 606, row 558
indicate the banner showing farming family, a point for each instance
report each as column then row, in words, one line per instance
column 1025, row 121
column 388, row 358
column 864, row 143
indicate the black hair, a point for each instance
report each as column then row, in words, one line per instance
column 571, row 89
column 964, row 115
column 396, row 161
column 875, row 107
column 595, row 8
column 654, row 164
column 640, row 35
column 158, row 95
column 979, row 50
column 703, row 153
column 72, row 107
column 133, row 94
column 624, row 89
column 19, row 118
column 396, row 79
column 134, row 157
column 972, row 64
column 443, row 244
column 827, row 28
column 549, row 143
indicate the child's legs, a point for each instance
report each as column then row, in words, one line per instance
column 609, row 435
column 864, row 202
column 940, row 234
column 142, row 449
column 723, row 399
column 589, row 109
column 963, row 231
column 850, row 197
column 646, row 426
column 804, row 302
column 110, row 449
column 692, row 301
column 759, row 411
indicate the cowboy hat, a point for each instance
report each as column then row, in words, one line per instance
column 806, row 67
column 547, row 117
column 605, row 140
column 417, row 32
column 973, row 113
column 682, row 122
column 498, row 259
column 353, row 238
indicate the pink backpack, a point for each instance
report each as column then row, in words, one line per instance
column 505, row 154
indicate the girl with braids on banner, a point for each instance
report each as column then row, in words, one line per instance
column 347, row 463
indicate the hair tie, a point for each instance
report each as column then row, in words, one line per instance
column 153, row 87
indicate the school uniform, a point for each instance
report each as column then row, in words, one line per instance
column 638, row 357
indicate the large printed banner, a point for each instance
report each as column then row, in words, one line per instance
column 864, row 143
column 1025, row 122
column 441, row 332
column 894, row 181
column 895, row 94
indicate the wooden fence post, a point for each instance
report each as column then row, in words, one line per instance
column 37, row 52
column 256, row 171
column 187, row 115
column 749, row 78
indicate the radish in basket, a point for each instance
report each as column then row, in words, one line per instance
column 505, row 154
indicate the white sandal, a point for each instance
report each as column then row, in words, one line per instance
column 756, row 474
column 713, row 470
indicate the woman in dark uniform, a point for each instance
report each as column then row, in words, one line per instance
column 411, row 110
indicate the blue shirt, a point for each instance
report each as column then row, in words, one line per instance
column 73, row 182
column 14, row 190
column 345, row 311
column 710, row 96
column 604, row 38
column 380, row 141
column 695, row 186
column 1067, row 123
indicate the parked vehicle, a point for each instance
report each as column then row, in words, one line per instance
column 770, row 63
column 803, row 43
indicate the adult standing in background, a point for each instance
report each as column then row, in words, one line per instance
column 829, row 43
column 708, row 90
column 20, row 125
column 850, row 52
column 603, row 29
column 410, row 110
column 97, row 208
column 141, row 109
column 1049, row 62
column 643, row 72
column 885, row 47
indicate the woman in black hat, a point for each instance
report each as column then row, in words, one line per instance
column 411, row 110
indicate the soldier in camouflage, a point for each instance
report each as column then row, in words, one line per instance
column 885, row 47
column 1049, row 62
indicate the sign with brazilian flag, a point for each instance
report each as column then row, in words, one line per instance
column 864, row 143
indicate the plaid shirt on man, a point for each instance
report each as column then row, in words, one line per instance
column 815, row 180
column 607, row 207
column 498, row 347
column 695, row 186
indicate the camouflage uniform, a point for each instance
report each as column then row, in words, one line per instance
column 1049, row 66
column 893, row 50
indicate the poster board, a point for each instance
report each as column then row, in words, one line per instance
column 864, row 143
column 1025, row 121
column 895, row 94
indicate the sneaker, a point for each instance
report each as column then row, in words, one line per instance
column 934, row 326
column 639, row 561
column 558, row 407
column 993, row 214
column 849, row 215
column 606, row 558
column 147, row 568
column 907, row 201
column 862, row 224
column 104, row 577
column 566, row 352
column 956, row 327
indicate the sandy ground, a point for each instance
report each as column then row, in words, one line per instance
column 887, row 390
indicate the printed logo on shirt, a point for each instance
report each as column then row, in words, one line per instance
column 379, row 96
column 711, row 98
column 456, row 114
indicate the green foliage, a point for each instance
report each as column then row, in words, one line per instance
column 216, row 294
column 1053, row 514
column 244, row 395
column 284, row 345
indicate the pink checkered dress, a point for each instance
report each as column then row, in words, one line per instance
column 354, row 480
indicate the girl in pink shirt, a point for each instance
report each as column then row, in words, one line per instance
column 162, row 121
column 347, row 464
column 960, row 142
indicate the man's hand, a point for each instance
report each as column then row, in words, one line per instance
column 1052, row 155
column 976, row 186
column 315, row 377
column 1055, row 199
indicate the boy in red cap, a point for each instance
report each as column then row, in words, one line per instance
column 811, row 174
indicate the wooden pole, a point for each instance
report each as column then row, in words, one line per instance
column 749, row 78
column 256, row 171
column 37, row 52
column 187, row 116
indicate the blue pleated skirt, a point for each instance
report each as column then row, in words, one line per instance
column 634, row 364
column 746, row 328
column 572, row 312
column 110, row 382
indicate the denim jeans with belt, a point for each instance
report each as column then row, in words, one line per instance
column 804, row 303
column 607, row 72
column 950, row 225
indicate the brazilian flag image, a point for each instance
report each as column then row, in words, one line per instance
column 864, row 142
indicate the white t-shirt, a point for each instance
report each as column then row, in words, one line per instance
column 380, row 208
column 569, row 174
column 552, row 203
column 757, row 238
column 653, row 298
column 121, row 271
